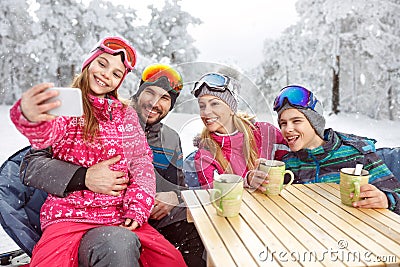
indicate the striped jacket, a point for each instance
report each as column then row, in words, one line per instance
column 323, row 164
column 165, row 144
column 167, row 156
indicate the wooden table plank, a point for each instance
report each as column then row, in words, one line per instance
column 270, row 241
column 369, row 216
column 300, row 227
column 354, row 227
column 276, row 226
column 305, row 218
column 316, row 226
column 331, row 234
column 385, row 216
column 389, row 214
column 250, row 239
column 232, row 242
column 208, row 234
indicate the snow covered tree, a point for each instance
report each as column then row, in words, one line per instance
column 291, row 59
column 166, row 38
column 50, row 42
column 103, row 18
column 16, row 63
column 345, row 51
column 60, row 52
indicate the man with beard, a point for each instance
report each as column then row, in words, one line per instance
column 159, row 88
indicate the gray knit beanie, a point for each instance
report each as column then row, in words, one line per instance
column 316, row 119
column 225, row 96
column 230, row 97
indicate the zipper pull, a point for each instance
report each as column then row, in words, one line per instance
column 109, row 107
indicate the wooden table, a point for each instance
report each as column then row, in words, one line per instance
column 305, row 226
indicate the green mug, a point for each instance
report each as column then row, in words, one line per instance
column 276, row 174
column 351, row 183
column 226, row 196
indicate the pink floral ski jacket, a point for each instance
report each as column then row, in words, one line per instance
column 119, row 134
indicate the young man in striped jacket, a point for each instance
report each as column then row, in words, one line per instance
column 317, row 154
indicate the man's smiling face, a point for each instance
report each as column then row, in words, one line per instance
column 153, row 104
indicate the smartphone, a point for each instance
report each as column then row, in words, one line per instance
column 71, row 102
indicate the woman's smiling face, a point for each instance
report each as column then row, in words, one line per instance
column 216, row 114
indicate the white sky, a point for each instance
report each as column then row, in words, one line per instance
column 233, row 32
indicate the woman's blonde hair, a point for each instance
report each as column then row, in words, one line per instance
column 91, row 127
column 243, row 123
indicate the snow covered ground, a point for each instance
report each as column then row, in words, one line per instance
column 188, row 125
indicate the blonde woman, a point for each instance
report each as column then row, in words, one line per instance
column 231, row 141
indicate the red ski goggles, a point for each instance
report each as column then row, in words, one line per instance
column 115, row 45
column 154, row 72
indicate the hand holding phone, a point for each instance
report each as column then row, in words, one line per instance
column 71, row 102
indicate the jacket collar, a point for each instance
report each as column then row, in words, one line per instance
column 332, row 143
column 152, row 129
column 100, row 103
column 103, row 106
column 225, row 140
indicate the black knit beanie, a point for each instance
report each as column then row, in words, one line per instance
column 160, row 82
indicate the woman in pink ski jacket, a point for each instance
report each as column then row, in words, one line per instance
column 231, row 142
column 108, row 128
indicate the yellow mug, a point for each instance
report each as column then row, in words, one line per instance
column 351, row 183
column 226, row 196
column 276, row 174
